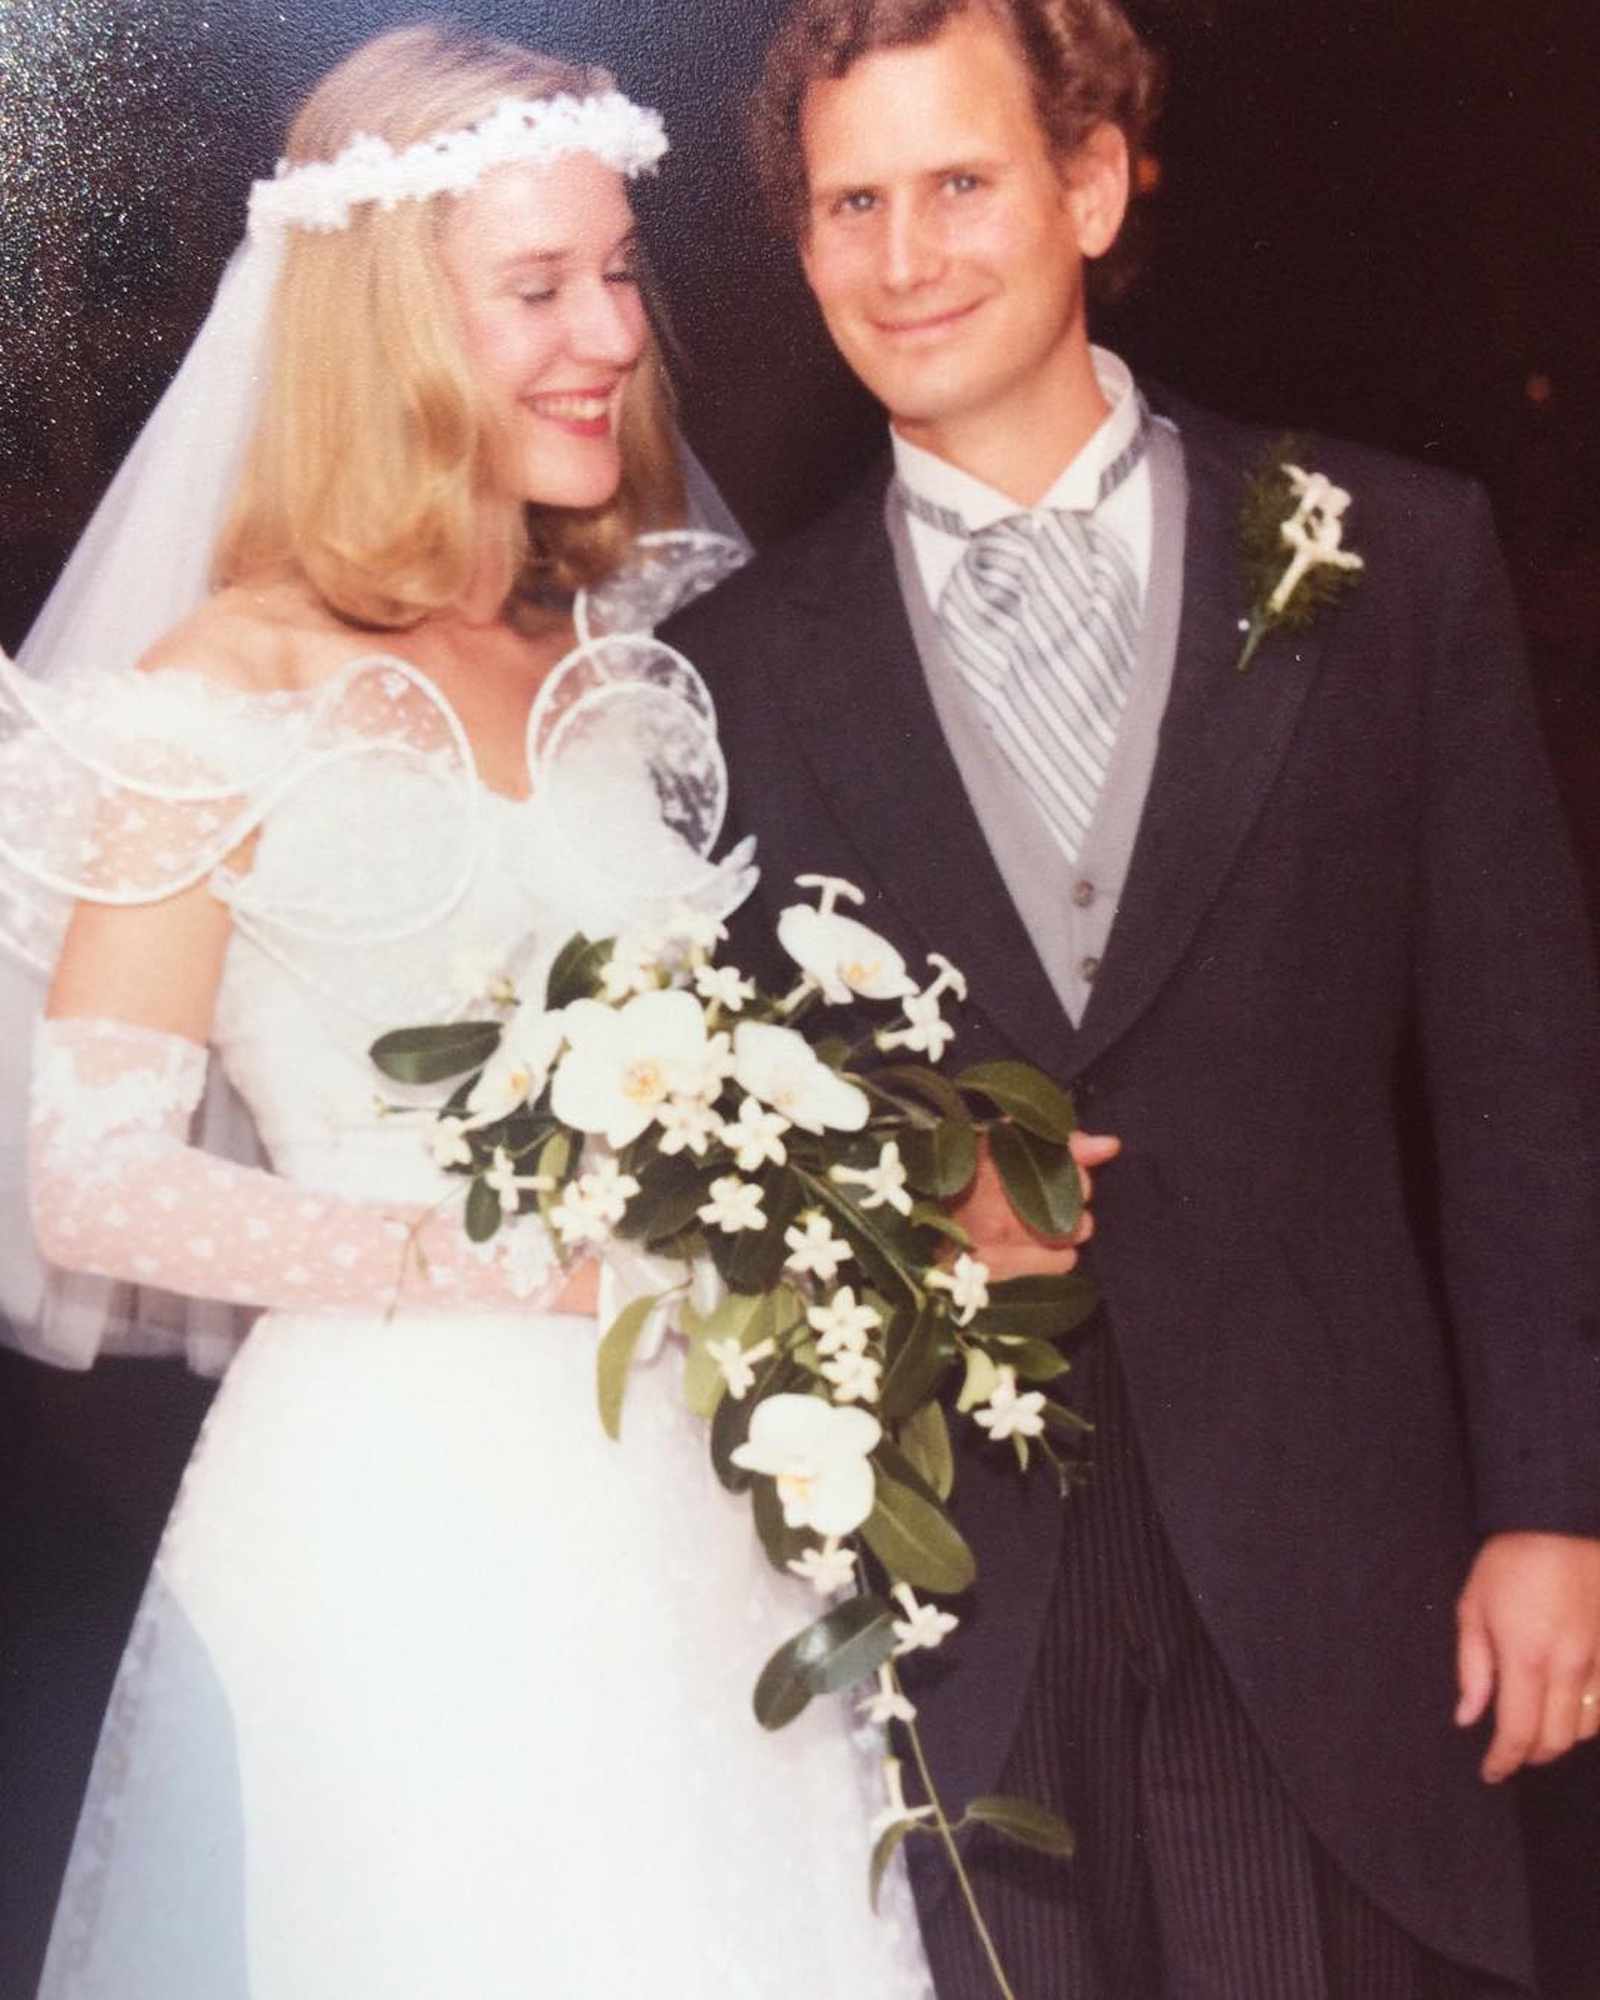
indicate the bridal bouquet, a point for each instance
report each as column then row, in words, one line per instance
column 777, row 1194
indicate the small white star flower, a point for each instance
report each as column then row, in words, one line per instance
column 756, row 1136
column 576, row 1219
column 967, row 1282
column 855, row 1377
column 734, row 1205
column 842, row 1326
column 827, row 1569
column 885, row 1183
column 609, row 1189
column 528, row 1259
column 687, row 1121
column 888, row 1704
column 736, row 1364
column 814, row 1250
column 926, row 1033
column 725, row 985
column 504, row 1180
column 448, row 1142
column 923, row 1624
column 1006, row 1414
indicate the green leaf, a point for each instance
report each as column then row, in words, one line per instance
column 884, row 1852
column 484, row 1213
column 671, row 1190
column 917, row 1542
column 751, row 1260
column 925, row 1083
column 942, row 1160
column 1025, row 1094
column 1046, row 1308
column 1027, row 1824
column 979, row 1383
column 925, row 1216
column 1034, row 1360
column 1067, row 1422
column 839, row 1649
column 575, row 975
column 615, row 1358
column 434, row 1054
column 874, row 1250
column 920, row 1350
column 1040, row 1179
column 925, row 1439
column 733, row 1318
column 781, row 1542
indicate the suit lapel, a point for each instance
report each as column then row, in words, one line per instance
column 1222, row 740
column 866, row 726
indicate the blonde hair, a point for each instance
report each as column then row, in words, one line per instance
column 374, row 448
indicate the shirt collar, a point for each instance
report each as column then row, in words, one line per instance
column 1077, row 486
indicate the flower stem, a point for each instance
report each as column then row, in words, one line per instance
column 947, row 1836
column 1259, row 626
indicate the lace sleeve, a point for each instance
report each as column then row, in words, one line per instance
column 117, row 1191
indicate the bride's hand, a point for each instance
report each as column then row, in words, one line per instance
column 1002, row 1240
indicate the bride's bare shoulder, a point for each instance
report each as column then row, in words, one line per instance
column 261, row 639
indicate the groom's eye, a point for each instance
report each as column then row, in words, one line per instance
column 859, row 201
column 961, row 182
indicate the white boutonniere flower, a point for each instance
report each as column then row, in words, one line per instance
column 1294, row 553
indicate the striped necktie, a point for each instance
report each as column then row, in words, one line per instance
column 1041, row 617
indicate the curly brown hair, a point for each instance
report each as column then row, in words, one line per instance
column 1085, row 62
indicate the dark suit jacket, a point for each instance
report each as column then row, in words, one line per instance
column 1347, row 854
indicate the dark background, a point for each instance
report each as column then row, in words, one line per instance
column 1379, row 217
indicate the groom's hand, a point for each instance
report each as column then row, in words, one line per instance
column 1002, row 1240
column 1529, row 1640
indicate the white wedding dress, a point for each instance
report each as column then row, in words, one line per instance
column 435, row 1692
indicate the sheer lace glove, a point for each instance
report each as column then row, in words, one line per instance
column 118, row 1191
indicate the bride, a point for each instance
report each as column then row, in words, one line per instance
column 434, row 1692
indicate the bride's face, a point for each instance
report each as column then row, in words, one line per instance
column 542, row 263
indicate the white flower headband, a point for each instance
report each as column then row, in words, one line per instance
column 320, row 195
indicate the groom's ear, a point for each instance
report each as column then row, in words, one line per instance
column 1095, row 188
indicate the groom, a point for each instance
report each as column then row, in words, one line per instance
column 1336, row 1575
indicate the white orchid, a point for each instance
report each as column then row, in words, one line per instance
column 842, row 1326
column 896, row 1810
column 814, row 1250
column 967, row 1282
column 816, row 1453
column 780, row 1067
column 737, row 1364
column 756, row 1136
column 1314, row 531
column 924, row 1625
column 520, row 1067
column 623, row 1063
column 888, row 1704
column 827, row 1569
column 855, row 1377
column 1006, row 1414
column 885, row 1183
column 734, row 1205
column 725, row 985
column 839, row 956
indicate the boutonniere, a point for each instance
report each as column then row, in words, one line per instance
column 1292, row 533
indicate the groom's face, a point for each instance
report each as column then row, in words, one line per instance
column 943, row 242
